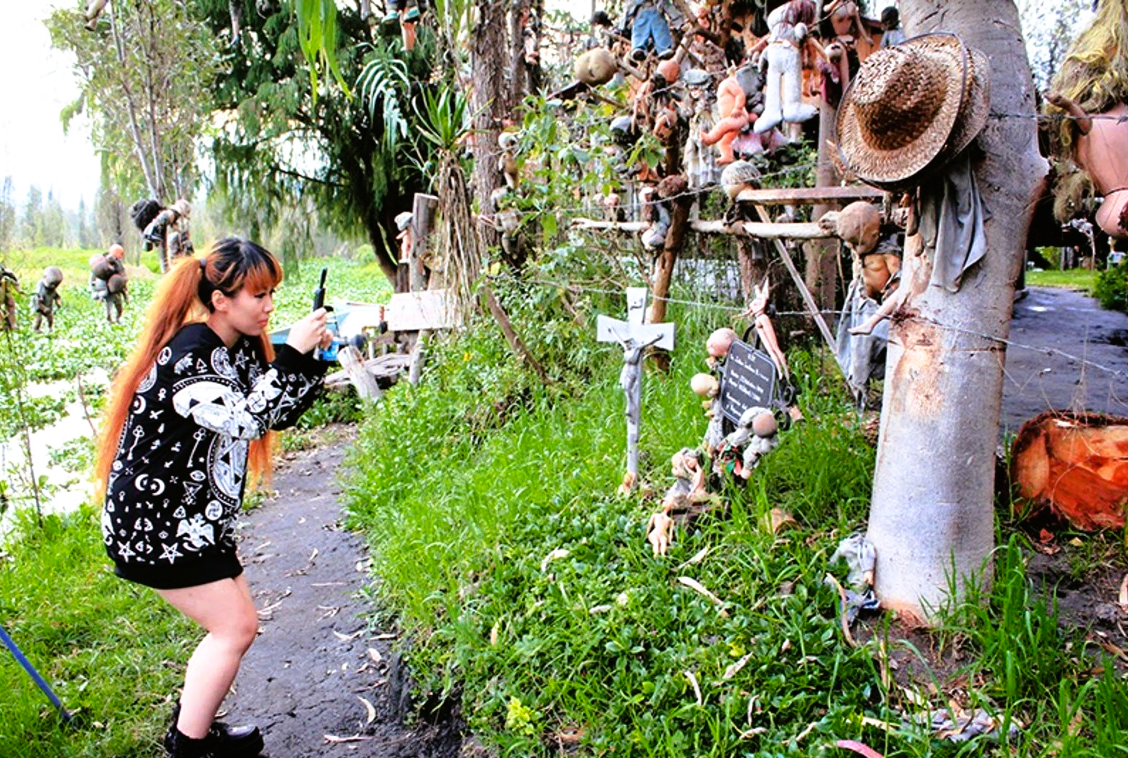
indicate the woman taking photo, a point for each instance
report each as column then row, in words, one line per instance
column 189, row 415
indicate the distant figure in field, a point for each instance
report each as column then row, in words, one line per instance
column 46, row 297
column 9, row 288
column 108, row 281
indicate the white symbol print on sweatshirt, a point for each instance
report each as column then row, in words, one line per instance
column 199, row 533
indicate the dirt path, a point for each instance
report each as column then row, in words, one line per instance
column 317, row 660
column 1067, row 354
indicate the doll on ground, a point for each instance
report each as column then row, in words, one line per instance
column 708, row 388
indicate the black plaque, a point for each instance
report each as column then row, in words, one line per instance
column 749, row 380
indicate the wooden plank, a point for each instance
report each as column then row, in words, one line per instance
column 809, row 195
column 412, row 311
column 802, row 230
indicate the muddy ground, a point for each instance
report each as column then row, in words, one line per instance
column 320, row 661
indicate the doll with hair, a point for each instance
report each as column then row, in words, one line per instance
column 1091, row 92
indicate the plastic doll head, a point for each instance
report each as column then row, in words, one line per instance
column 890, row 18
column 719, row 342
column 842, row 18
column 764, row 424
column 685, row 463
column 670, row 70
column 859, row 226
column 705, row 385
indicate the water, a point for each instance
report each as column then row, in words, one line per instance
column 68, row 489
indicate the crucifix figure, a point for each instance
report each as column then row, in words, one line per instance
column 634, row 336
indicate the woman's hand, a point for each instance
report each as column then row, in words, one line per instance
column 310, row 332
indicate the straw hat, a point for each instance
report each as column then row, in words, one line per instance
column 911, row 109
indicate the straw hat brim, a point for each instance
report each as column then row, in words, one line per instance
column 963, row 106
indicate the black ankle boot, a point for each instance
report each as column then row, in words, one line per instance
column 221, row 741
column 226, row 741
column 179, row 745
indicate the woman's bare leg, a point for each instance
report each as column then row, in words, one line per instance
column 225, row 609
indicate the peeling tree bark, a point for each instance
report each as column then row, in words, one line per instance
column 932, row 508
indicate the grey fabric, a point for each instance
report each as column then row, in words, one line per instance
column 952, row 215
column 860, row 356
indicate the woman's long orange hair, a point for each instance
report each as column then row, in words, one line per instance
column 183, row 296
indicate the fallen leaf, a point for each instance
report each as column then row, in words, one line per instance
column 557, row 553
column 696, row 586
column 859, row 748
column 696, row 687
column 369, row 709
column 697, row 558
column 332, row 738
column 735, row 668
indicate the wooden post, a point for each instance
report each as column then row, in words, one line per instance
column 821, row 272
column 423, row 210
column 816, row 314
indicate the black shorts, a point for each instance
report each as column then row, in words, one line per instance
column 205, row 569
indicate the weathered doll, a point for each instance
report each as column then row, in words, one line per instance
column 783, row 59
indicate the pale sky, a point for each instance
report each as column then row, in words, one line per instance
column 36, row 84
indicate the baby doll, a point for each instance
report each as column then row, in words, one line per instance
column 708, row 388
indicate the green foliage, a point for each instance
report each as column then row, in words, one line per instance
column 1111, row 288
column 285, row 159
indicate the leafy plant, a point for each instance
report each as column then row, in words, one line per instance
column 1111, row 288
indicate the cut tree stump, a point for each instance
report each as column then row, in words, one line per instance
column 1075, row 465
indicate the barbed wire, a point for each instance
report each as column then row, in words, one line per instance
column 1008, row 343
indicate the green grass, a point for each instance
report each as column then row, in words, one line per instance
column 528, row 593
column 1074, row 279
column 110, row 650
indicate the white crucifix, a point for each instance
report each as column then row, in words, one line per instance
column 634, row 335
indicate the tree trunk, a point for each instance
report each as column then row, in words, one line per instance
column 932, row 517
column 821, row 274
column 488, row 102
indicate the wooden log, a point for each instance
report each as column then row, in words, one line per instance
column 799, row 230
column 809, row 195
column 1074, row 465
column 816, row 314
column 384, row 367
